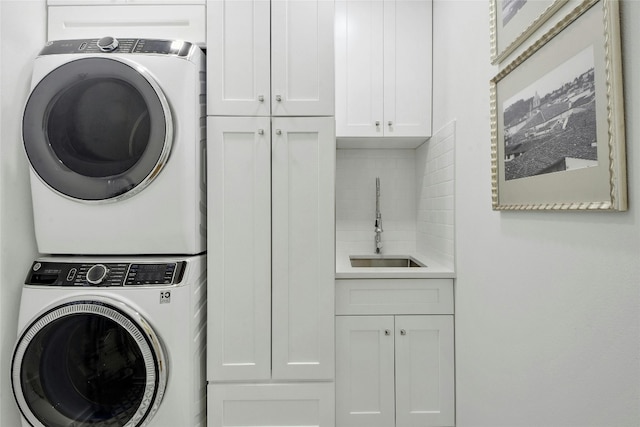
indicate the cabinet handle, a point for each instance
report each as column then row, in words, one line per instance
column 260, row 131
column 390, row 123
column 278, row 98
column 261, row 98
column 278, row 132
column 403, row 332
column 377, row 123
column 387, row 332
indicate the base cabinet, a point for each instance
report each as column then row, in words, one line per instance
column 271, row 405
column 394, row 371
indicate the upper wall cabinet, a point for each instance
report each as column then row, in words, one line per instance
column 383, row 68
column 162, row 19
column 270, row 58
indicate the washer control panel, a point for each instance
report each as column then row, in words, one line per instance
column 47, row 273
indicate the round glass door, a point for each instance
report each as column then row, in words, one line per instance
column 97, row 129
column 87, row 363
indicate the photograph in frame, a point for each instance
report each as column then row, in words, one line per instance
column 558, row 121
column 513, row 21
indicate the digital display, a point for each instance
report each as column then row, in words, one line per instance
column 157, row 46
column 151, row 272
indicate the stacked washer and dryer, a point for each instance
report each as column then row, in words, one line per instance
column 112, row 319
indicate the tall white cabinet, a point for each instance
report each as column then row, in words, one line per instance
column 271, row 245
column 383, row 68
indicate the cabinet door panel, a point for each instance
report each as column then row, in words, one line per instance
column 239, row 267
column 359, row 57
column 180, row 22
column 303, row 177
column 364, row 371
column 271, row 405
column 238, row 58
column 407, row 67
column 424, row 371
column 302, row 58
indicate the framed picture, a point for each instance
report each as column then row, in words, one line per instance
column 557, row 118
column 513, row 21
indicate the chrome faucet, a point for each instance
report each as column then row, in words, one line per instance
column 378, row 223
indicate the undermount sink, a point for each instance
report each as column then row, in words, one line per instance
column 389, row 261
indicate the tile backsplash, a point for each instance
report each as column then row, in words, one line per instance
column 356, row 171
column 416, row 198
column 435, row 199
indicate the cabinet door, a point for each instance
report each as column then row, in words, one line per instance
column 303, row 248
column 364, row 371
column 270, row 405
column 239, row 249
column 302, row 58
column 424, row 371
column 359, row 57
column 125, row 20
column 407, row 67
column 238, row 59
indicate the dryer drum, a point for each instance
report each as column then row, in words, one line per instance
column 97, row 129
column 88, row 363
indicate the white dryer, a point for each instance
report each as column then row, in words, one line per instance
column 114, row 131
column 112, row 342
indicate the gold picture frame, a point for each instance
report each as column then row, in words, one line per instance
column 513, row 21
column 557, row 118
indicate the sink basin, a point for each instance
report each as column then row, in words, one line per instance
column 390, row 261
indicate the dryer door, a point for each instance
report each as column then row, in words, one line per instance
column 88, row 363
column 97, row 129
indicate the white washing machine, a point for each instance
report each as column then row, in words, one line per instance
column 114, row 131
column 112, row 342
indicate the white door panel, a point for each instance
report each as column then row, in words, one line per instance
column 303, row 171
column 239, row 267
column 238, row 59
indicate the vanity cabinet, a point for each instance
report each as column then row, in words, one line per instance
column 270, row 58
column 270, row 248
column 383, row 68
column 394, row 369
column 161, row 19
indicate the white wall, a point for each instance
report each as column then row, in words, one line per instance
column 22, row 35
column 547, row 304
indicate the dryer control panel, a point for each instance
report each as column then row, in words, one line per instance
column 111, row 44
column 47, row 273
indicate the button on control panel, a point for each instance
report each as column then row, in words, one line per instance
column 105, row 274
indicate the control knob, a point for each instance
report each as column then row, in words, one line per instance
column 108, row 44
column 97, row 273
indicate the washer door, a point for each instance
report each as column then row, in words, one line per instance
column 88, row 363
column 97, row 129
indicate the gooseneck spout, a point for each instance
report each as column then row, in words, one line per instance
column 378, row 223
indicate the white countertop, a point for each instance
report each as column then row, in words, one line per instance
column 433, row 269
